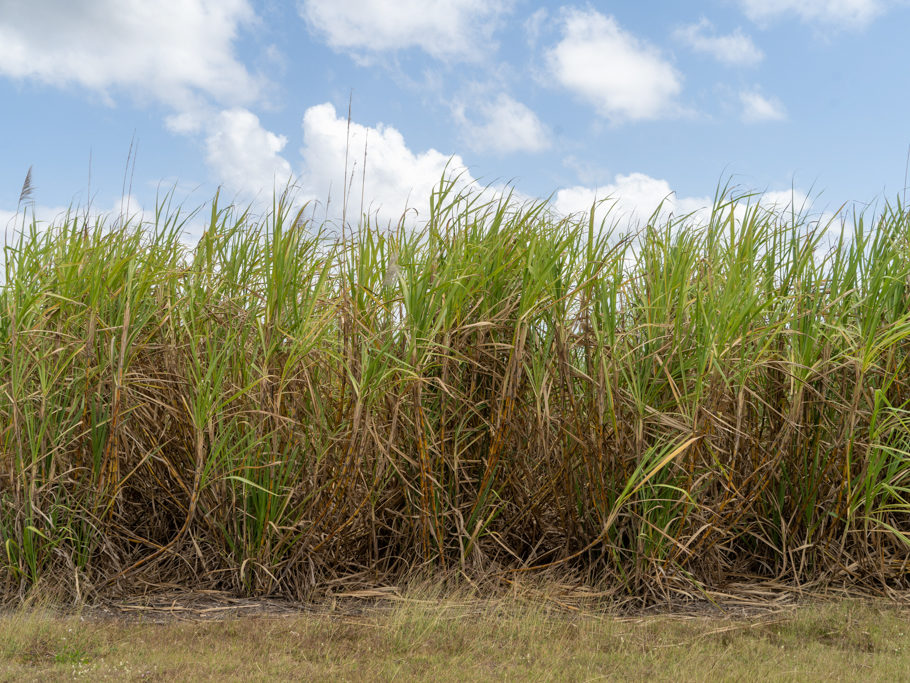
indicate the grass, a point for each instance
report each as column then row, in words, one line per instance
column 502, row 392
column 494, row 640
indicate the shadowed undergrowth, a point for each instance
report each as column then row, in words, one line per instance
column 277, row 408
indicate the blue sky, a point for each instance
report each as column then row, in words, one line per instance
column 634, row 100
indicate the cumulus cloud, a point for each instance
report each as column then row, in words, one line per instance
column 252, row 161
column 785, row 200
column 174, row 51
column 244, row 155
column 445, row 29
column 622, row 76
column 506, row 126
column 397, row 178
column 733, row 49
column 839, row 13
column 757, row 108
column 629, row 199
column 786, row 206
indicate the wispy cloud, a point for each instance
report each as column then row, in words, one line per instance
column 756, row 107
column 454, row 30
column 839, row 13
column 534, row 25
column 733, row 49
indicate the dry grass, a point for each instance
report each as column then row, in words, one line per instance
column 275, row 410
column 430, row 640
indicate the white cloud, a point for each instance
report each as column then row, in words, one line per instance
column 785, row 206
column 508, row 126
column 445, row 29
column 12, row 223
column 840, row 13
column 244, row 155
column 622, row 76
column 734, row 49
column 758, row 108
column 785, row 200
column 396, row 177
column 629, row 199
column 249, row 160
column 190, row 121
column 174, row 51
